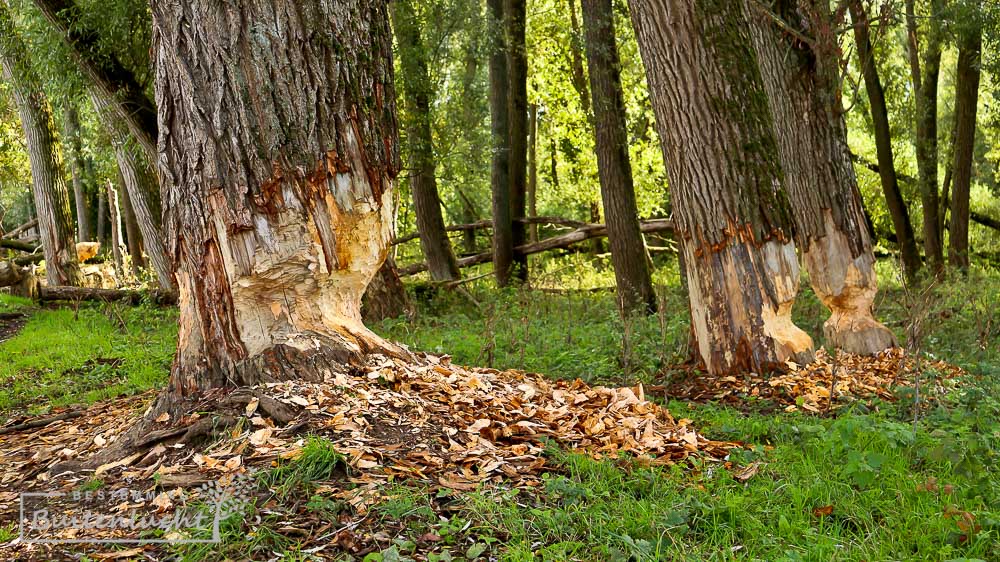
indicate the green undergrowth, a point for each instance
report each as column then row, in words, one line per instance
column 71, row 355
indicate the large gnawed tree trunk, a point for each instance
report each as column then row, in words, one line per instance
column 515, row 15
column 503, row 225
column 48, row 182
column 966, row 103
column 417, row 93
column 925, row 68
column 143, row 188
column 731, row 212
column 803, row 90
column 628, row 252
column 898, row 212
column 74, row 153
column 278, row 154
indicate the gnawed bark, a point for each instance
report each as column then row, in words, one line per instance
column 802, row 83
column 278, row 220
column 731, row 211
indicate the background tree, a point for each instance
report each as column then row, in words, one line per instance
column 515, row 15
column 500, row 182
column 417, row 94
column 48, row 182
column 628, row 249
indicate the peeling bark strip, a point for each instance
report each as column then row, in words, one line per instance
column 731, row 212
column 48, row 183
column 803, row 91
column 278, row 152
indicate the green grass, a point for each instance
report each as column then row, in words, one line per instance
column 898, row 490
column 64, row 356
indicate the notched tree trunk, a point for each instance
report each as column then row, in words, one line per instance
column 278, row 154
column 731, row 211
column 802, row 84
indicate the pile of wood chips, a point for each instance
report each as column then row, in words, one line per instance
column 438, row 423
column 807, row 387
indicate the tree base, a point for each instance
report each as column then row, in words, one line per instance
column 858, row 333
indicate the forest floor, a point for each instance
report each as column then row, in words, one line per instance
column 880, row 472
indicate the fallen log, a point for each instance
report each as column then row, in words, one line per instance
column 46, row 294
column 24, row 227
column 581, row 234
column 487, row 224
column 984, row 220
column 18, row 245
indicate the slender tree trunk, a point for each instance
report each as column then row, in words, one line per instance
column 114, row 206
column 143, row 186
column 578, row 75
column 731, row 212
column 503, row 232
column 966, row 104
column 898, row 212
column 532, row 194
column 278, row 220
column 417, row 94
column 74, row 150
column 517, row 68
column 925, row 68
column 628, row 249
column 554, row 166
column 102, row 216
column 133, row 237
column 803, row 91
column 48, row 182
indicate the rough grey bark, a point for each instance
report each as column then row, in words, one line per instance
column 278, row 157
column 802, row 81
column 143, row 187
column 417, row 94
column 628, row 250
column 51, row 196
column 104, row 71
column 515, row 14
column 925, row 67
column 74, row 154
column 503, row 233
column 898, row 212
column 966, row 105
column 731, row 212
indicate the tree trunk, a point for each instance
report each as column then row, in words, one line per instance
column 578, row 76
column 532, row 189
column 143, row 187
column 115, row 208
column 803, row 91
column 133, row 239
column 51, row 197
column 417, row 94
column 898, row 212
column 731, row 211
column 503, row 226
column 386, row 296
column 517, row 67
column 278, row 156
column 628, row 249
column 102, row 217
column 925, row 68
column 966, row 104
column 74, row 150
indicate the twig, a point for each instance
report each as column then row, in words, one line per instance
column 34, row 424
